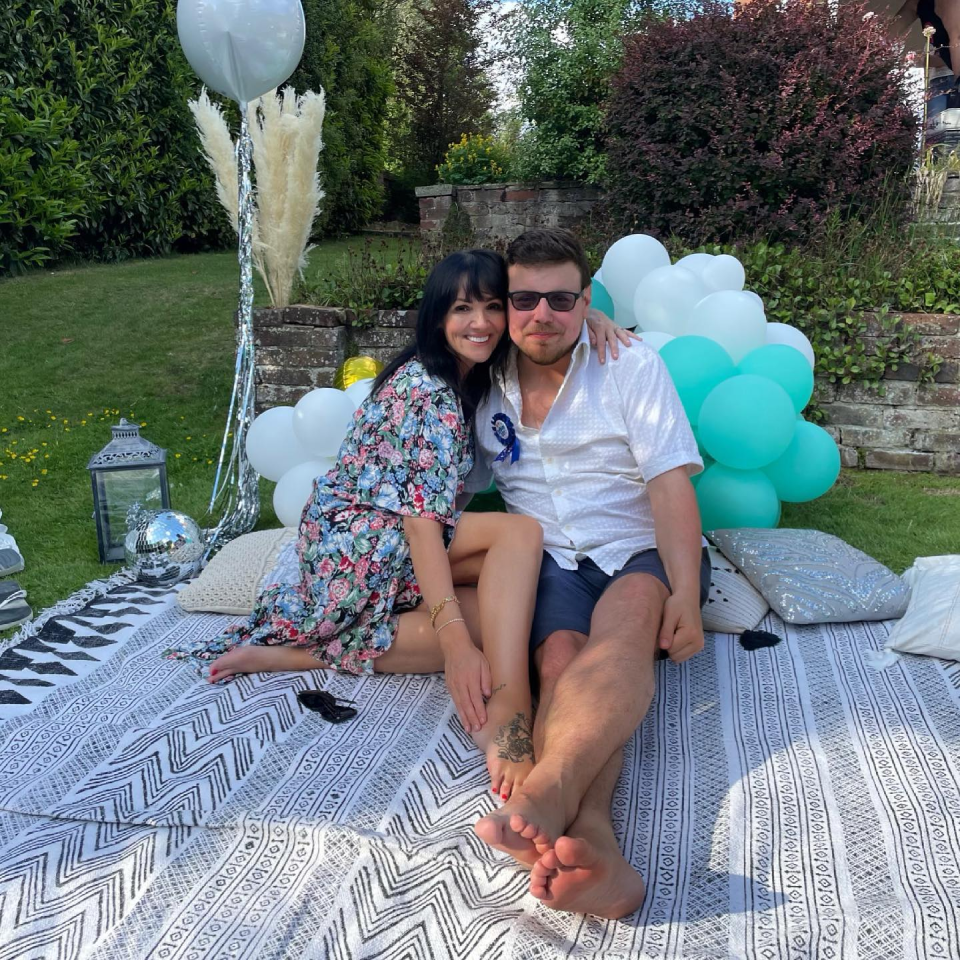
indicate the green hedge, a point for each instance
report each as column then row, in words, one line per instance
column 347, row 53
column 103, row 161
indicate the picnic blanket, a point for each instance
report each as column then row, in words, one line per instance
column 789, row 802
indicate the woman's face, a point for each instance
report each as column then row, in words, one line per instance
column 473, row 328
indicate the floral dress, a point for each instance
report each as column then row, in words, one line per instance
column 407, row 455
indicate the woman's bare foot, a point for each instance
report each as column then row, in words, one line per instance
column 507, row 740
column 585, row 872
column 529, row 823
column 262, row 659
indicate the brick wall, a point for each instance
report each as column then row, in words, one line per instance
column 911, row 426
column 502, row 211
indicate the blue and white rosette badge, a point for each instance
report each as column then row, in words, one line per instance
column 504, row 432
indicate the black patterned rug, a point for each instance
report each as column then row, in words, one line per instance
column 786, row 803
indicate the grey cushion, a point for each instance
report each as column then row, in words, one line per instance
column 811, row 577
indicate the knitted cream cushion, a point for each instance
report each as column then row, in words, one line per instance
column 231, row 581
column 733, row 604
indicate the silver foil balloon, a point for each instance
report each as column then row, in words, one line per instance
column 164, row 548
column 242, row 48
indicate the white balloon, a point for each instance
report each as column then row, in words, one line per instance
column 242, row 48
column 695, row 262
column 792, row 337
column 359, row 391
column 272, row 445
column 724, row 273
column 657, row 339
column 757, row 298
column 665, row 298
column 626, row 263
column 732, row 319
column 295, row 488
column 623, row 314
column 321, row 420
column 599, row 275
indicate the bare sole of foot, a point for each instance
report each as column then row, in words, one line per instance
column 531, row 820
column 507, row 740
column 261, row 659
column 580, row 875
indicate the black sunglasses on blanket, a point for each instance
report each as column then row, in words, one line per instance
column 327, row 705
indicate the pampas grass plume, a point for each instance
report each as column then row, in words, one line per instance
column 286, row 134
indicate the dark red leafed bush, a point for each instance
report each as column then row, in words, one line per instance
column 762, row 124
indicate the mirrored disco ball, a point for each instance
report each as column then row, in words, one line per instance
column 164, row 548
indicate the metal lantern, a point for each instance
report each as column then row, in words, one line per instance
column 129, row 475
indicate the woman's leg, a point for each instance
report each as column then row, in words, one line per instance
column 501, row 553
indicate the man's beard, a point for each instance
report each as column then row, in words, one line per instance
column 547, row 360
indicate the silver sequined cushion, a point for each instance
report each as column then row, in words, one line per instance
column 812, row 577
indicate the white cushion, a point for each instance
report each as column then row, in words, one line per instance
column 231, row 581
column 733, row 604
column 931, row 625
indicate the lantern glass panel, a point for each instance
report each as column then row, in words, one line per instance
column 117, row 492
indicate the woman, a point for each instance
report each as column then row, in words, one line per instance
column 377, row 537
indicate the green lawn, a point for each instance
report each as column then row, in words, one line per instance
column 153, row 341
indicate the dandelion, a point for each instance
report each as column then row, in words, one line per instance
column 3, row 429
column 43, row 443
column 143, row 423
column 20, row 419
column 43, row 472
column 177, row 455
column 189, row 438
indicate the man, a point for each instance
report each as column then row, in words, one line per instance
column 601, row 455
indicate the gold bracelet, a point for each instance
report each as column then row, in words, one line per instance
column 435, row 610
column 447, row 624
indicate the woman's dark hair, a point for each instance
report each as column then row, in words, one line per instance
column 480, row 275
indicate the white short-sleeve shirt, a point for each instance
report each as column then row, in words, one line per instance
column 583, row 473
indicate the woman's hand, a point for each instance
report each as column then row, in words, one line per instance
column 468, row 680
column 603, row 333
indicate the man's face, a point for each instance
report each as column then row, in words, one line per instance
column 543, row 335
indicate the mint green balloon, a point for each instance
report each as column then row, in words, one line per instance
column 784, row 365
column 696, row 366
column 747, row 422
column 810, row 466
column 600, row 298
column 736, row 498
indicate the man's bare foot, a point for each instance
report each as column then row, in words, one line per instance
column 585, row 872
column 532, row 819
column 507, row 740
column 262, row 659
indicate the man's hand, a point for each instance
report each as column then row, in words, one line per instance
column 467, row 674
column 604, row 333
column 681, row 632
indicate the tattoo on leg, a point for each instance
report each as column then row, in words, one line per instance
column 502, row 686
column 514, row 740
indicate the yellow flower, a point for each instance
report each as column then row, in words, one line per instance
column 20, row 419
column 143, row 423
column 209, row 462
column 189, row 438
column 43, row 472
column 83, row 423
column 177, row 455
column 53, row 418
column 3, row 476
column 43, row 443
column 3, row 429
column 46, row 456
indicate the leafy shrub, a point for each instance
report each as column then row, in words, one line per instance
column 566, row 52
column 112, row 85
column 473, row 159
column 42, row 181
column 380, row 275
column 347, row 53
column 757, row 125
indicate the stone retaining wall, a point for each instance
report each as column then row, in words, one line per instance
column 911, row 426
column 502, row 211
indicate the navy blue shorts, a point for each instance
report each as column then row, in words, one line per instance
column 566, row 598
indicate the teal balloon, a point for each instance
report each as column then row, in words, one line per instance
column 784, row 365
column 747, row 422
column 810, row 466
column 600, row 298
column 736, row 498
column 696, row 366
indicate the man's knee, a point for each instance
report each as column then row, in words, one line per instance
column 554, row 655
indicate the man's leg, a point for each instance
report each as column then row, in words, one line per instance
column 596, row 705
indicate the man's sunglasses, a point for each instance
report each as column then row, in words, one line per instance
column 560, row 300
